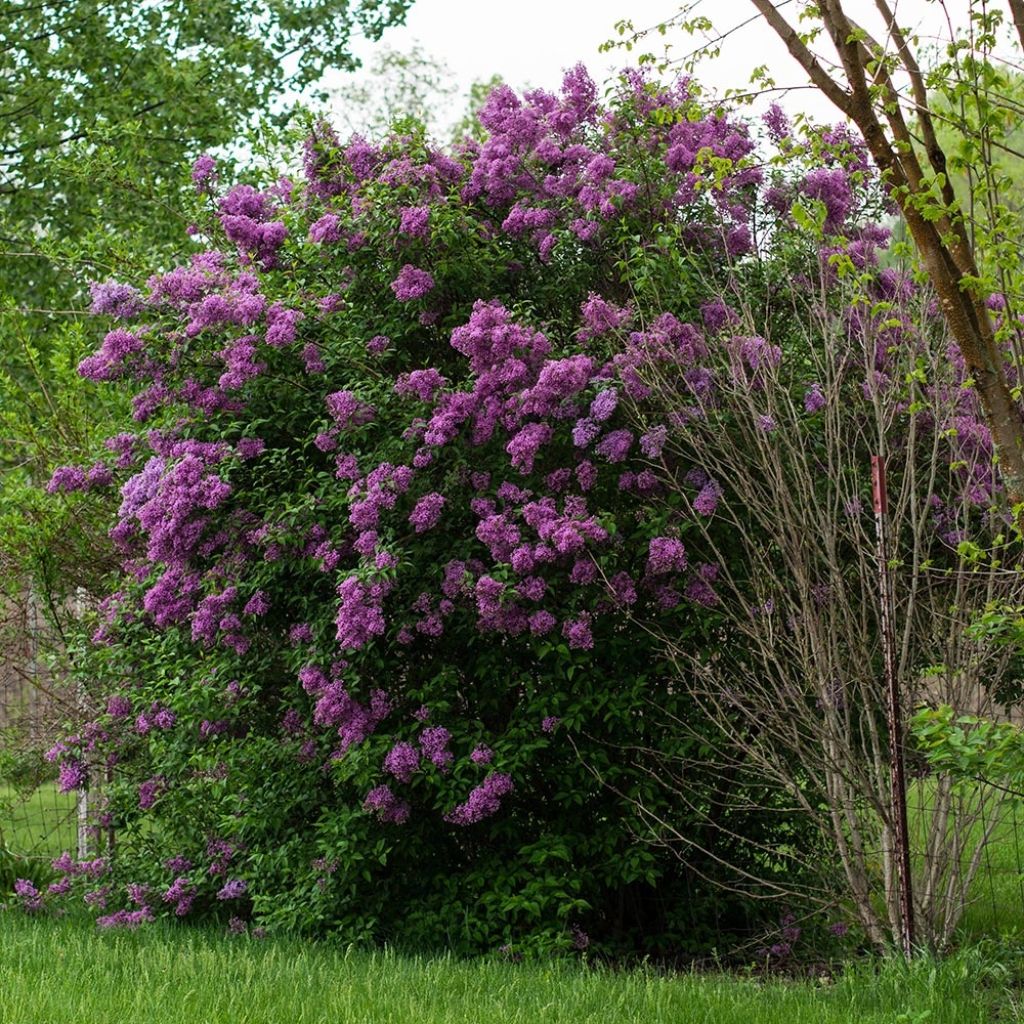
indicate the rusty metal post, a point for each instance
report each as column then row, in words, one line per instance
column 82, row 710
column 894, row 711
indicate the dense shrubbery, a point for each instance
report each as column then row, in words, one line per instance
column 395, row 553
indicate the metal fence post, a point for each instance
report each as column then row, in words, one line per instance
column 894, row 711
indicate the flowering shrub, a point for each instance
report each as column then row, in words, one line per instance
column 389, row 531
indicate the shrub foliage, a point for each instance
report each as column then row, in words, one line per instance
column 395, row 559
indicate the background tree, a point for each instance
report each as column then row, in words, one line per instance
column 396, row 85
column 148, row 84
column 866, row 90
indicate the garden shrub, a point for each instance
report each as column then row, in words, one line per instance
column 395, row 562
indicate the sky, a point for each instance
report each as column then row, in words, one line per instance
column 530, row 42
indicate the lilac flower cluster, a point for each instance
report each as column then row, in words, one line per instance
column 411, row 283
column 427, row 512
column 30, row 896
column 129, row 919
column 484, row 800
column 386, row 806
column 831, row 186
column 315, row 515
column 233, row 889
column 114, row 356
column 245, row 216
column 402, row 761
column 181, row 894
column 204, row 172
column 111, row 298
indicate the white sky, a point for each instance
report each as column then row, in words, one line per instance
column 530, row 42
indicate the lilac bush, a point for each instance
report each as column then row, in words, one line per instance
column 388, row 525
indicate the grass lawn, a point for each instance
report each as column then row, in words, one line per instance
column 996, row 906
column 59, row 972
column 41, row 825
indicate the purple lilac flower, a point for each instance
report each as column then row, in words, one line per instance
column 717, row 316
column 584, row 570
column 66, row 479
column 604, row 405
column 777, row 123
column 585, row 432
column 524, row 445
column 149, row 791
column 97, row 897
column 415, row 221
column 233, row 889
column 577, row 632
column 434, row 742
column 119, row 706
column 31, row 898
column 482, row 755
column 664, row 555
column 258, row 604
column 347, row 410
column 707, row 500
column 204, row 172
column 421, row 384
column 138, row 894
column 182, row 894
column 325, row 230
column 300, row 633
column 615, row 446
column 700, row 591
column 586, row 475
column 411, row 283
column 600, row 316
column 427, row 512
column 541, row 622
column 249, row 447
column 129, row 919
column 532, row 588
column 360, row 616
column 550, row 723
column 832, row 187
column 387, row 806
column 623, row 588
column 73, row 775
column 814, row 399
column 778, row 199
column 402, row 761
column 483, row 802
column 164, row 719
column 112, row 298
column 652, row 443
column 209, row 728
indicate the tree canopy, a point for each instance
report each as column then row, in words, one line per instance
column 82, row 82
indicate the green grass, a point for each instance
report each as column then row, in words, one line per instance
column 996, row 907
column 56, row 972
column 42, row 824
